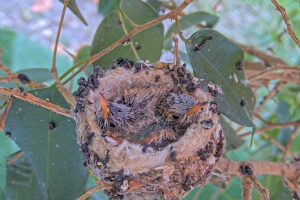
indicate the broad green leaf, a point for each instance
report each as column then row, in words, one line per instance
column 233, row 141
column 21, row 182
column 19, row 53
column 146, row 45
column 74, row 8
column 7, row 147
column 156, row 4
column 206, row 19
column 106, row 6
column 39, row 75
column 53, row 154
column 216, row 62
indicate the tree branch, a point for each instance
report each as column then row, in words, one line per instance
column 66, row 94
column 136, row 29
column 287, row 22
column 35, row 100
column 289, row 144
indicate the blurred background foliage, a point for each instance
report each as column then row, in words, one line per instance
column 27, row 37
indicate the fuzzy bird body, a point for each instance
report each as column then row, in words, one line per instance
column 148, row 131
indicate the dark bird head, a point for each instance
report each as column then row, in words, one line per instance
column 114, row 117
column 182, row 109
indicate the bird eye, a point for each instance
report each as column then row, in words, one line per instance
column 112, row 125
column 175, row 116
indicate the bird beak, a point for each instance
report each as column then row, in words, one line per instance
column 104, row 106
column 194, row 109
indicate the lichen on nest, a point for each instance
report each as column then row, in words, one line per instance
column 149, row 131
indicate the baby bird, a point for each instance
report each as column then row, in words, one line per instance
column 181, row 109
column 148, row 119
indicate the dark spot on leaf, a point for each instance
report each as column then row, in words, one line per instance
column 8, row 134
column 119, row 22
column 23, row 78
column 138, row 47
column 243, row 102
column 240, row 65
column 51, row 125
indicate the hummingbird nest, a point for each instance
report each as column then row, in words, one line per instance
column 149, row 131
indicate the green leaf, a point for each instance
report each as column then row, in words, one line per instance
column 84, row 53
column 39, row 75
column 189, row 20
column 146, row 45
column 7, row 147
column 21, row 181
column 74, row 8
column 233, row 141
column 216, row 62
column 53, row 154
column 156, row 4
column 106, row 6
column 18, row 53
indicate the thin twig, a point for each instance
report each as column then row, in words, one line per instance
column 268, row 59
column 271, row 94
column 136, row 29
column 247, row 186
column 289, row 144
column 91, row 191
column 287, row 22
column 285, row 68
column 176, row 50
column 15, row 158
column 16, row 92
column 180, row 32
column 262, row 190
column 273, row 126
column 11, row 76
column 67, row 95
column 4, row 114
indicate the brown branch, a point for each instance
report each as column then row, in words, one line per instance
column 232, row 168
column 263, row 191
column 4, row 114
column 268, row 71
column 15, row 158
column 101, row 185
column 247, row 186
column 11, row 76
column 287, row 22
column 268, row 59
column 137, row 29
column 289, row 144
column 67, row 95
column 273, row 126
column 35, row 100
column 176, row 51
column 271, row 94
